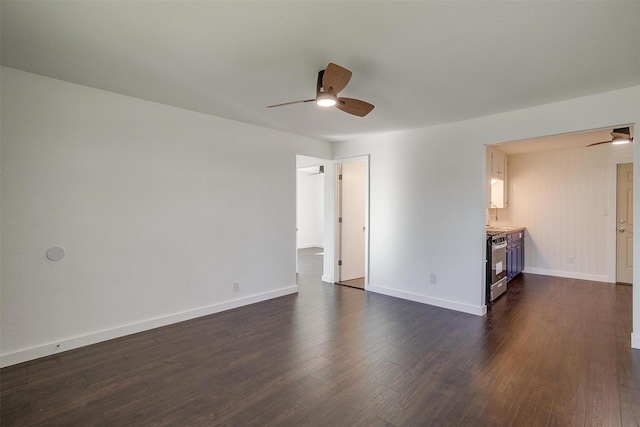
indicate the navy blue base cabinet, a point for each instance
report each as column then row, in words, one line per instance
column 515, row 254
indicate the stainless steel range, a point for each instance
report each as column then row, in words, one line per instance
column 496, row 265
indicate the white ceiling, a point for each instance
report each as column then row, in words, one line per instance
column 420, row 63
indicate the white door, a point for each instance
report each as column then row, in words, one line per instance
column 624, row 224
column 352, row 189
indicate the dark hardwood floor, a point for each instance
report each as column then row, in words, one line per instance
column 550, row 352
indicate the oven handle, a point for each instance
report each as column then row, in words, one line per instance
column 500, row 246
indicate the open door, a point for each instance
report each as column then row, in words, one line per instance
column 352, row 185
column 624, row 224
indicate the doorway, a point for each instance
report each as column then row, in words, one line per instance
column 599, row 206
column 624, row 223
column 310, row 212
column 352, row 223
column 563, row 190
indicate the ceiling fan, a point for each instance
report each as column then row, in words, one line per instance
column 331, row 81
column 618, row 136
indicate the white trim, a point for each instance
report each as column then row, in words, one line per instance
column 451, row 305
column 568, row 274
column 120, row 331
column 327, row 279
column 329, row 226
column 311, row 245
column 635, row 341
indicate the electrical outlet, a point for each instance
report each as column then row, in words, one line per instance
column 570, row 260
column 433, row 279
column 236, row 286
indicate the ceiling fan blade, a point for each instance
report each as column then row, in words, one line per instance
column 289, row 103
column 335, row 78
column 598, row 143
column 354, row 106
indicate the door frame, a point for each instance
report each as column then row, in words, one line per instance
column 611, row 217
column 336, row 225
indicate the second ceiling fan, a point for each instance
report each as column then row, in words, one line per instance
column 618, row 136
column 330, row 82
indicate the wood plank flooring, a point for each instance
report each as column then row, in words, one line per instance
column 550, row 352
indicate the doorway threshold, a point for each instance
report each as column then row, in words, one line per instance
column 353, row 283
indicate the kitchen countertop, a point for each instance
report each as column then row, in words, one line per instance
column 506, row 229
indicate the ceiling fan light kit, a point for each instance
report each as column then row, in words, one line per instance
column 331, row 81
column 619, row 140
column 326, row 100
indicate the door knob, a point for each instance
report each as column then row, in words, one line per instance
column 621, row 229
column 621, row 221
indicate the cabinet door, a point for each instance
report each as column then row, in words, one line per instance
column 499, row 159
column 505, row 193
column 521, row 257
column 489, row 176
column 496, row 164
column 510, row 263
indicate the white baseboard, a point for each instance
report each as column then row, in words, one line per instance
column 120, row 331
column 451, row 305
column 327, row 279
column 635, row 340
column 567, row 274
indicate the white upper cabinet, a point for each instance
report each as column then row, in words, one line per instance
column 497, row 178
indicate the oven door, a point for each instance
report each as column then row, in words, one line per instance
column 498, row 262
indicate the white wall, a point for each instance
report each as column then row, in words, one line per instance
column 427, row 195
column 563, row 198
column 160, row 210
column 310, row 192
